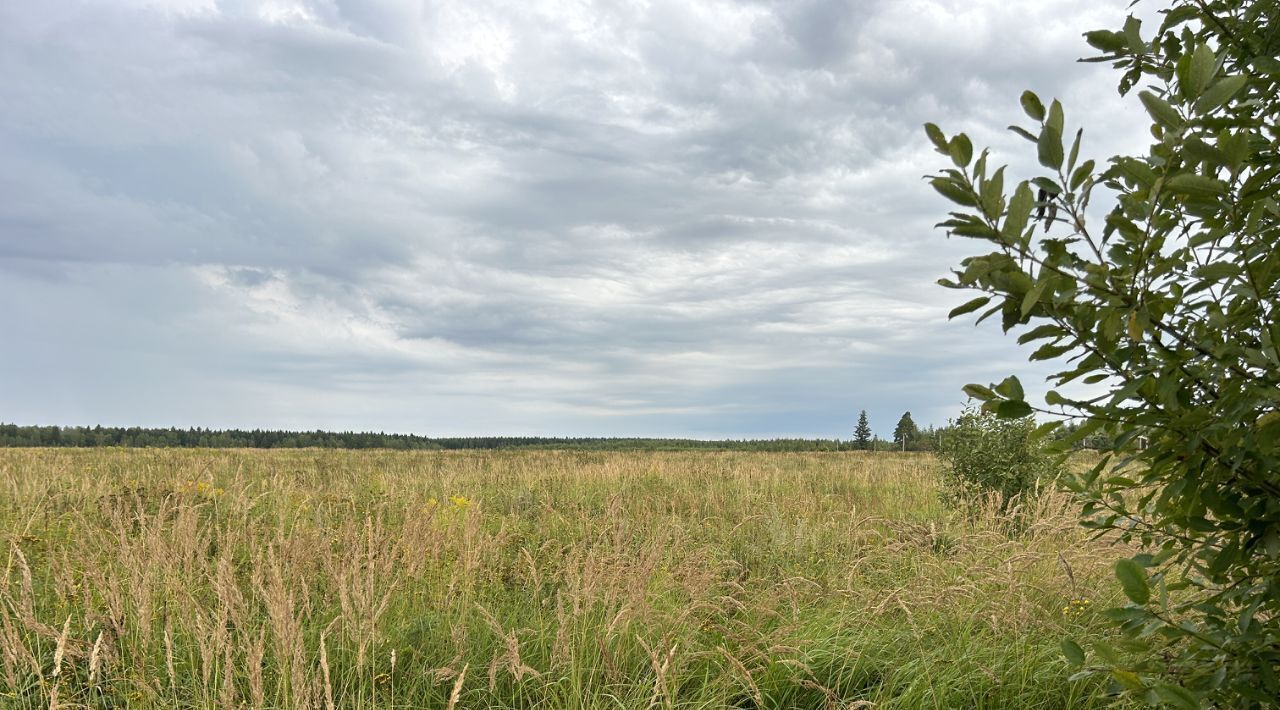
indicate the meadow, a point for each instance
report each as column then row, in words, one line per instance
column 160, row 578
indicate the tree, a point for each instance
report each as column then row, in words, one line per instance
column 1169, row 313
column 862, row 432
column 985, row 455
column 905, row 433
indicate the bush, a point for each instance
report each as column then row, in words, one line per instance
column 1171, row 309
column 986, row 455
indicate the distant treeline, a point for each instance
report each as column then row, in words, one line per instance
column 12, row 435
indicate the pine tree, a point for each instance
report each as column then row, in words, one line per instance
column 905, row 434
column 862, row 433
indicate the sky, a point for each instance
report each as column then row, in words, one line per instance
column 635, row 218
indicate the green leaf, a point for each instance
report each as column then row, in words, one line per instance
column 980, row 392
column 1134, row 169
column 1133, row 579
column 956, row 193
column 1199, row 71
column 1048, row 351
column 1031, row 104
column 1024, row 133
column 1013, row 409
column 1082, row 173
column 1200, row 151
column 973, row 228
column 1177, row 696
column 1049, row 147
column 1223, row 559
column 1177, row 16
column 1055, row 119
column 1108, row 654
column 1074, row 153
column 1246, row 616
column 1218, row 271
column 1030, row 300
column 1018, row 213
column 1221, row 92
column 1266, row 65
column 1105, row 40
column 1235, row 148
column 1128, row 679
column 992, row 195
column 961, row 150
column 1194, row 185
column 1041, row 331
column 1133, row 35
column 1073, row 652
column 1010, row 388
column 936, row 137
column 969, row 307
column 1049, row 186
column 1162, row 111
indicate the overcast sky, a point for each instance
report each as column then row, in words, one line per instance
column 686, row 218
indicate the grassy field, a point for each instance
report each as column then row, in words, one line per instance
column 170, row 578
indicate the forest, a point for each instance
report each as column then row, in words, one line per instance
column 13, row 435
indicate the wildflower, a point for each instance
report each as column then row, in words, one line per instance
column 460, row 501
column 1076, row 607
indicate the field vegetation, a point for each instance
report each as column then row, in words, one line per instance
column 307, row 578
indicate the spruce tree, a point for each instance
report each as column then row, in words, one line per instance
column 862, row 433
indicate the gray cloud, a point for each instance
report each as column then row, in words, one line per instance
column 473, row 217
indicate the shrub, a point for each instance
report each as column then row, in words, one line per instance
column 985, row 455
column 1171, row 310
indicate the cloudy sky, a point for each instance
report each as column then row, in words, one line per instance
column 694, row 218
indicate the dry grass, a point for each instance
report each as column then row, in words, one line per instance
column 166, row 578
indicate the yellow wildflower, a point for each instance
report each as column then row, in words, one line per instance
column 1076, row 607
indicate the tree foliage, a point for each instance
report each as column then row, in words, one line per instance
column 905, row 433
column 1154, row 279
column 985, row 455
column 13, row 435
column 862, row 432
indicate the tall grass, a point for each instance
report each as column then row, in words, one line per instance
column 164, row 578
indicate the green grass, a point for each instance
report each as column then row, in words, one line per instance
column 563, row 580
